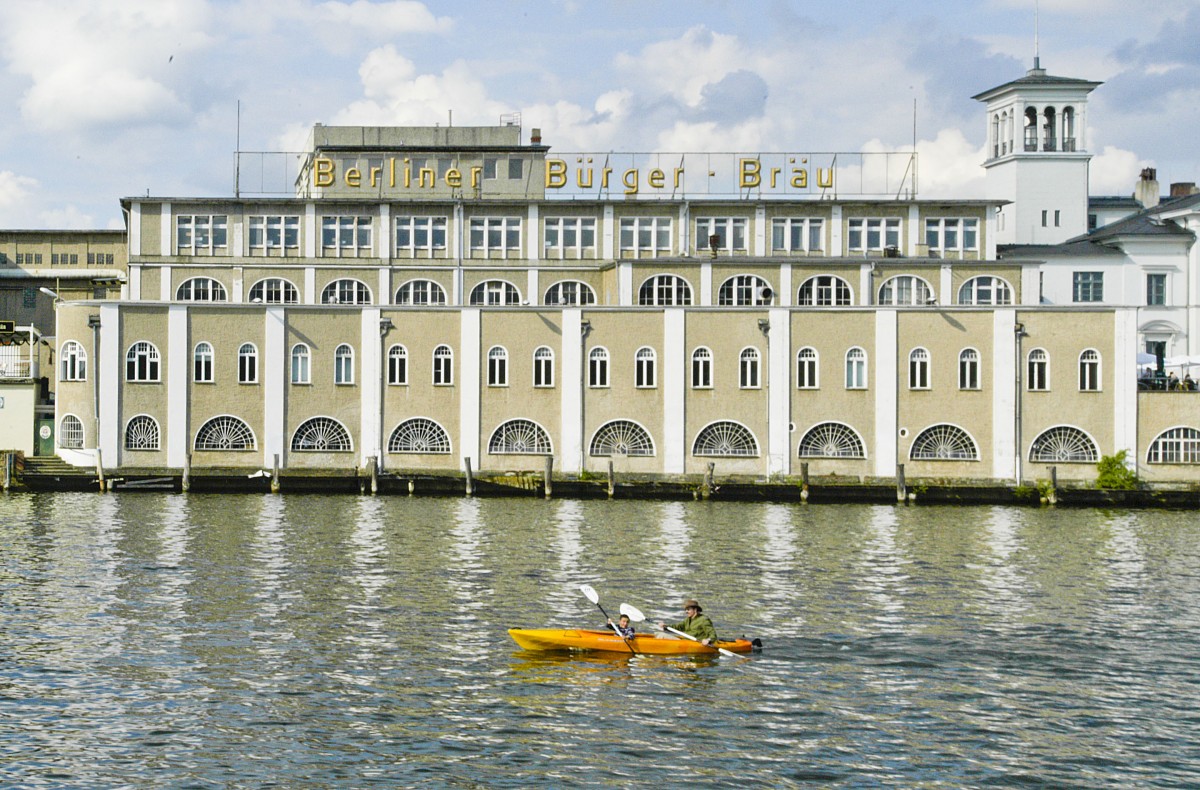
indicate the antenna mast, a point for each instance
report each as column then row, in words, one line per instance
column 1037, row 49
column 237, row 156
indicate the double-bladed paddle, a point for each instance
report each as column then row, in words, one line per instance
column 594, row 597
column 634, row 614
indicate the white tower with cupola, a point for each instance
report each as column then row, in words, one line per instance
column 1037, row 156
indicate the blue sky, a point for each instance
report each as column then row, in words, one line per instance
column 113, row 98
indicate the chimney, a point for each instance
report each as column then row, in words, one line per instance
column 1146, row 191
column 1183, row 189
column 535, row 136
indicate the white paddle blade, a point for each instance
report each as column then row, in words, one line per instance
column 591, row 594
column 632, row 612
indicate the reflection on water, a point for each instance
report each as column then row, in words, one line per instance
column 172, row 640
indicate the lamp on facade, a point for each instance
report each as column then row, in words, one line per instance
column 50, row 293
column 585, row 327
column 764, row 326
column 385, row 326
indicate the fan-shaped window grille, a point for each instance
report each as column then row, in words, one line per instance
column 346, row 291
column 70, row 433
column 1176, row 446
column 200, row 289
column 420, row 293
column 274, row 290
column 321, row 434
column 224, row 433
column 725, row 438
column 944, row 443
column 622, row 437
column 1064, row 444
column 825, row 290
column 495, row 293
column 520, row 437
column 570, row 292
column 141, row 433
column 744, row 290
column 665, row 290
column 419, row 435
column 832, row 440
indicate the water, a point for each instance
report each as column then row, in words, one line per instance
column 201, row 641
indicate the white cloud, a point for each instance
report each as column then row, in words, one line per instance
column 383, row 19
column 682, row 67
column 15, row 190
column 1115, row 171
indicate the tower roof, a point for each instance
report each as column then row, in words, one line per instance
column 1035, row 79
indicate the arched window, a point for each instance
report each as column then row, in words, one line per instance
column 343, row 364
column 301, row 372
column 1068, row 129
column 200, row 289
column 749, row 377
column 70, row 433
column 944, row 443
column 1089, row 371
column 1175, row 446
column 520, row 437
column 744, row 290
column 725, row 438
column 346, row 291
column 905, row 290
column 856, row 369
column 702, row 360
column 543, row 367
column 420, row 293
column 918, row 369
column 248, row 364
column 141, row 433
column 832, row 440
column 1031, row 129
column 497, row 367
column 274, row 290
column 73, row 362
column 644, row 373
column 321, row 435
column 985, row 290
column 825, row 290
column 443, row 366
column 1064, row 444
column 968, row 369
column 419, row 435
column 224, row 433
column 142, row 362
column 807, row 369
column 1049, row 130
column 665, row 290
column 598, row 367
column 570, row 292
column 495, row 293
column 621, row 437
column 202, row 363
column 1038, row 378
column 397, row 365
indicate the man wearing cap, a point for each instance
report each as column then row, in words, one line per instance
column 696, row 623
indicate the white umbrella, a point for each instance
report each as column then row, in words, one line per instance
column 1146, row 359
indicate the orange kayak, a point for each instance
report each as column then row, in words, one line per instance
column 609, row 642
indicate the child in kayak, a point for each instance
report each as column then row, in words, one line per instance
column 622, row 626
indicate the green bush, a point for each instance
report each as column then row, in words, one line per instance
column 1113, row 473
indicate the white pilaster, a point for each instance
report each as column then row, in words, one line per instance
column 706, row 295
column 387, row 234
column 109, row 371
column 944, row 295
column 835, row 232
column 310, row 285
column 1125, row 394
column 885, row 383
column 276, row 356
column 608, row 233
column 178, row 354
column 625, row 284
column 135, row 229
column 673, row 374
column 467, row 381
column 311, row 231
column 779, row 343
column 571, row 383
column 760, row 231
column 533, row 238
column 371, row 389
column 164, row 284
column 532, row 288
column 786, row 296
column 1004, row 393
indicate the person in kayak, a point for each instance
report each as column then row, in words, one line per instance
column 622, row 626
column 696, row 623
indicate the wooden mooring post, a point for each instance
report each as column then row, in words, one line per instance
column 804, row 482
column 470, row 481
column 8, row 470
column 1052, row 494
column 185, row 484
column 547, row 476
column 100, row 471
column 612, row 480
column 901, row 488
column 275, row 474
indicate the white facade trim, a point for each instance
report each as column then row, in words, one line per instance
column 466, row 381
column 779, row 344
column 625, row 284
column 1004, row 393
column 572, row 377
column 885, row 383
column 706, row 284
column 1125, row 395
column 175, row 433
column 135, row 229
column 276, row 377
column 372, row 374
column 673, row 374
column 109, row 383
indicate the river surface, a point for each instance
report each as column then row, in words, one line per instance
column 204, row 641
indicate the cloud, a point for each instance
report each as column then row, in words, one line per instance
column 383, row 19
column 1115, row 171
column 15, row 190
column 683, row 67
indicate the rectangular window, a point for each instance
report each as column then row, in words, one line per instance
column 570, row 237
column 730, row 234
column 420, row 235
column 275, row 235
column 1156, row 289
column 873, row 233
column 489, row 168
column 957, row 234
column 346, row 237
column 202, row 234
column 1045, row 219
column 516, row 168
column 797, row 234
column 1088, row 287
column 645, row 236
column 1057, row 218
column 496, row 236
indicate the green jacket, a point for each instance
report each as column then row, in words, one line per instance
column 699, row 626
